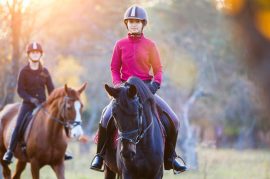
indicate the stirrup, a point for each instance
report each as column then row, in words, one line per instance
column 68, row 157
column 96, row 169
column 7, row 159
column 178, row 172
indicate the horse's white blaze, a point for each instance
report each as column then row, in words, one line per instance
column 77, row 131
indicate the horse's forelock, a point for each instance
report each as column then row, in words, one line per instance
column 55, row 94
column 60, row 93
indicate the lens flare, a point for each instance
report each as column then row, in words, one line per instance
column 230, row 7
column 263, row 22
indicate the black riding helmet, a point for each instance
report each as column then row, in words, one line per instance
column 136, row 12
column 34, row 47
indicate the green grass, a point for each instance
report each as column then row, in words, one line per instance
column 214, row 164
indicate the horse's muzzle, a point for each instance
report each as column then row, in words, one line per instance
column 76, row 132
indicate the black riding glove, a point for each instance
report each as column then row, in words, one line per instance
column 34, row 101
column 154, row 86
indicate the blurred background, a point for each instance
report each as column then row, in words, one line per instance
column 216, row 63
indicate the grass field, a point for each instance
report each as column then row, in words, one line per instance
column 214, row 164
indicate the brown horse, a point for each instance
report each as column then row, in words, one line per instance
column 46, row 138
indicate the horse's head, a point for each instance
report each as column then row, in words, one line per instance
column 72, row 110
column 69, row 106
column 127, row 114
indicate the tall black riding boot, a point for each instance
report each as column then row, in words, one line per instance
column 12, row 145
column 170, row 161
column 97, row 162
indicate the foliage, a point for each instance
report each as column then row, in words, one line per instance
column 197, row 46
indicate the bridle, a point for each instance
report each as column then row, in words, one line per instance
column 133, row 136
column 68, row 124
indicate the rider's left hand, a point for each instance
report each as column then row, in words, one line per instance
column 154, row 86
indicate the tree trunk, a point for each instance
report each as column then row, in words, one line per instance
column 189, row 139
column 16, row 22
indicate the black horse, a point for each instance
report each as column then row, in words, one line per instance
column 140, row 146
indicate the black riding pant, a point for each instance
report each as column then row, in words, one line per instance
column 25, row 110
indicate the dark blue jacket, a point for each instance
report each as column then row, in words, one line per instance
column 32, row 83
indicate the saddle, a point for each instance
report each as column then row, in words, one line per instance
column 165, row 121
column 26, row 128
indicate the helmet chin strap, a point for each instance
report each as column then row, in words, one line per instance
column 137, row 33
column 34, row 61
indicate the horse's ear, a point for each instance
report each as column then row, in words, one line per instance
column 82, row 88
column 66, row 88
column 132, row 91
column 112, row 91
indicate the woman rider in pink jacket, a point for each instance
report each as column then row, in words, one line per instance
column 135, row 55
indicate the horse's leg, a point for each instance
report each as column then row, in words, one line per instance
column 19, row 169
column 159, row 174
column 59, row 170
column 126, row 176
column 35, row 167
column 108, row 173
column 6, row 171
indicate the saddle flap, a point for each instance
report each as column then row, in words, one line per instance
column 28, row 122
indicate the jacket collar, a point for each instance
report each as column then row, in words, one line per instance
column 135, row 37
column 28, row 67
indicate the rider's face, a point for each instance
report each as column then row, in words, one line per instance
column 134, row 26
column 35, row 55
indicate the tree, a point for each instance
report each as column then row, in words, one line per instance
column 251, row 21
column 13, row 14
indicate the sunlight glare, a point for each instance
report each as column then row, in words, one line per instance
column 25, row 3
column 230, row 7
column 263, row 22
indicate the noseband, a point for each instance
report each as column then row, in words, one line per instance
column 138, row 133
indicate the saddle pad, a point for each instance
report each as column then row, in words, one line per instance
column 115, row 136
column 29, row 123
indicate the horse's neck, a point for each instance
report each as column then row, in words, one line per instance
column 154, row 129
column 53, row 128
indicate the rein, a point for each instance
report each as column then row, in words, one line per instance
column 66, row 124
